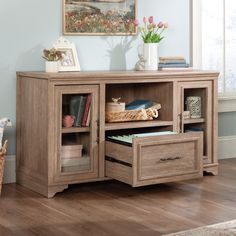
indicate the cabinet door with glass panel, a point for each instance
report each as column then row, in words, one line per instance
column 76, row 144
column 195, row 109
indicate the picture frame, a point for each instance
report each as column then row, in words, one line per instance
column 70, row 61
column 99, row 17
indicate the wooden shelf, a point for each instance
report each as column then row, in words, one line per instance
column 194, row 121
column 138, row 124
column 75, row 130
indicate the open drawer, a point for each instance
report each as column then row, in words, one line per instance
column 156, row 159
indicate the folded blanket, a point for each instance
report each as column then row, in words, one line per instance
column 3, row 124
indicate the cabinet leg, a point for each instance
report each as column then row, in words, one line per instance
column 56, row 189
column 211, row 170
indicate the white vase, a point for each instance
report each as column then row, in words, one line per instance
column 151, row 57
column 51, row 66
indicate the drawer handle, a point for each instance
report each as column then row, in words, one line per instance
column 170, row 159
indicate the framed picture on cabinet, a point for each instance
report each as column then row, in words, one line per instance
column 69, row 61
column 99, row 17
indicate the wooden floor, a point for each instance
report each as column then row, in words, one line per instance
column 112, row 208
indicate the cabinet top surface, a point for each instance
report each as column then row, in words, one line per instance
column 104, row 75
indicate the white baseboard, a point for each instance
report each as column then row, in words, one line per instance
column 10, row 170
column 227, row 147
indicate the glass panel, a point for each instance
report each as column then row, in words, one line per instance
column 213, row 37
column 230, row 47
column 75, row 152
column 191, row 104
column 76, row 140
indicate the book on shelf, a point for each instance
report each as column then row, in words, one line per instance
column 75, row 164
column 88, row 117
column 74, row 105
column 75, row 168
column 176, row 69
column 75, row 161
column 175, row 65
column 86, row 110
column 139, row 105
column 194, row 129
column 171, row 58
column 173, row 61
column 81, row 107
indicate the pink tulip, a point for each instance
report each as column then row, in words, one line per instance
column 136, row 23
column 160, row 25
column 151, row 19
column 144, row 19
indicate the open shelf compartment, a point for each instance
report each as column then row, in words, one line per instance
column 161, row 93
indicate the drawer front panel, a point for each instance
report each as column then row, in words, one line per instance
column 172, row 158
column 167, row 159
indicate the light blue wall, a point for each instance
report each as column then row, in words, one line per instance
column 28, row 26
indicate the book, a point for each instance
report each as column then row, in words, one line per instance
column 74, row 105
column 182, row 61
column 86, row 110
column 82, row 161
column 75, row 168
column 171, row 58
column 139, row 105
column 89, row 117
column 194, row 129
column 176, row 69
column 170, row 65
column 81, row 107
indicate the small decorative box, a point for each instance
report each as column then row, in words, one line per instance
column 115, row 106
column 71, row 151
column 186, row 115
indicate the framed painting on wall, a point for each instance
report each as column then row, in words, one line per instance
column 99, row 17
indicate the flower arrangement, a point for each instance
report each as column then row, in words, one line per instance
column 152, row 32
column 52, row 54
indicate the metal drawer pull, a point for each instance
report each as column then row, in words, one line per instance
column 170, row 159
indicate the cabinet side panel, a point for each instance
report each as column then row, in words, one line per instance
column 32, row 129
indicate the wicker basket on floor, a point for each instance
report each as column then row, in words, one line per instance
column 2, row 160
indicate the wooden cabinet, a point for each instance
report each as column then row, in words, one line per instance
column 43, row 100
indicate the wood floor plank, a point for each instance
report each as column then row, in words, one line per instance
column 113, row 208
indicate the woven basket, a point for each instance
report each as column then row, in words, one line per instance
column 2, row 160
column 133, row 115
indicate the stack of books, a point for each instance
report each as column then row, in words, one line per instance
column 80, row 107
column 173, row 63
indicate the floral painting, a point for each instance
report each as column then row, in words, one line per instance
column 99, row 17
